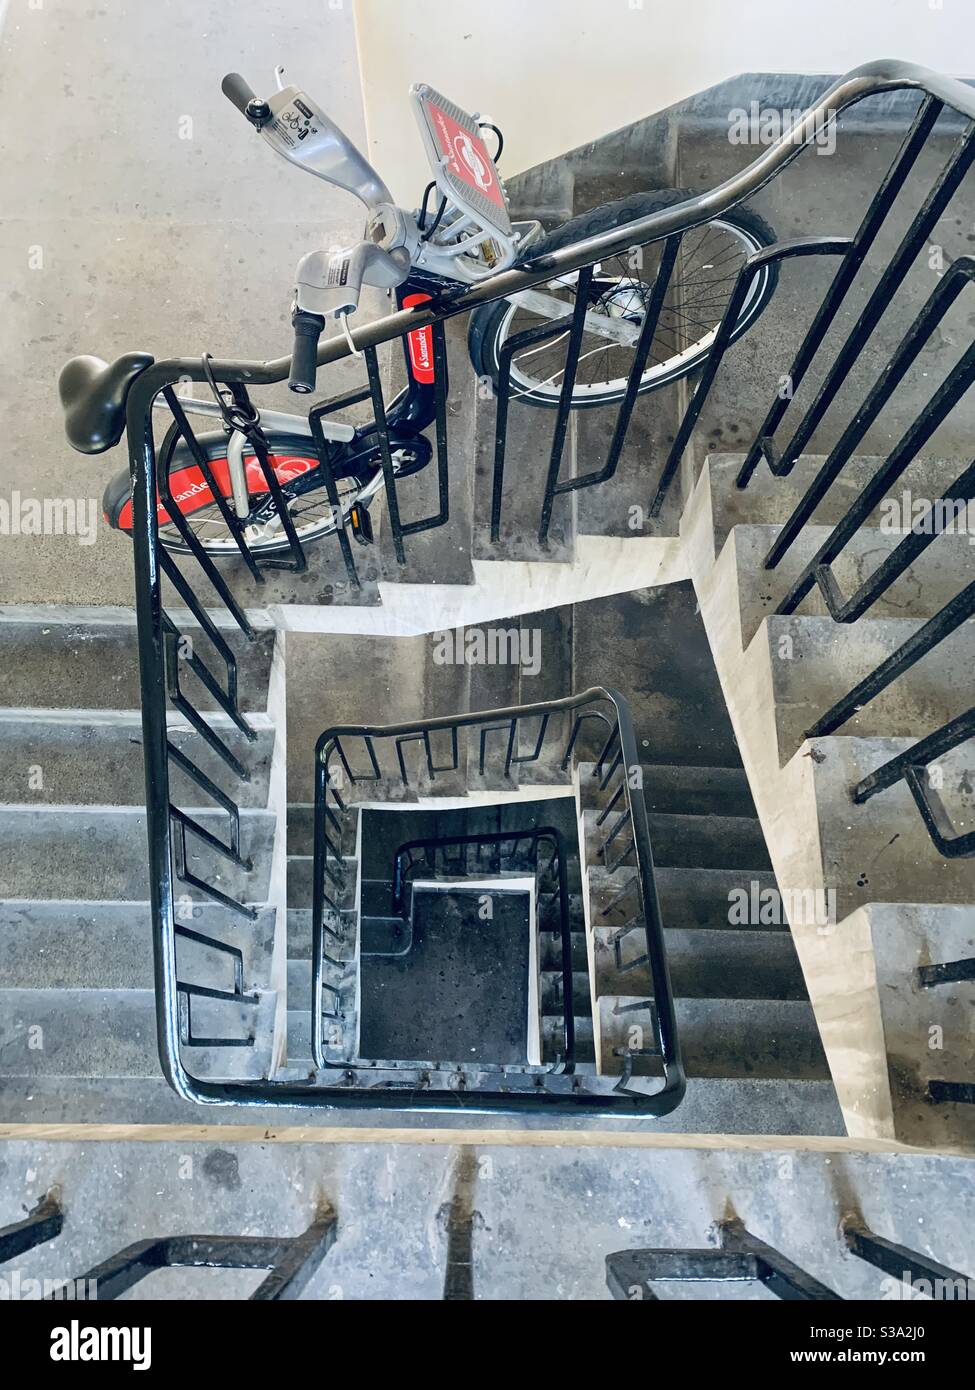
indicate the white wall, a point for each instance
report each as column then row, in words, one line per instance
column 555, row 73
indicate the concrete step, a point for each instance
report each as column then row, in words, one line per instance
column 548, row 914
column 299, row 931
column 771, row 501
column 934, row 578
column 550, row 951
column 925, row 1028
column 826, row 847
column 550, row 995
column 795, row 204
column 300, row 879
column 299, row 975
column 301, row 828
column 688, row 897
column 90, row 945
column 712, row 1105
column 301, row 820
column 553, row 1040
column 688, row 842
column 339, row 1037
column 99, row 854
column 548, row 638
column 528, row 442
column 857, row 847
column 815, row 662
column 112, row 1033
column 492, row 686
column 677, row 790
column 87, row 658
column 755, row 1105
column 720, row 1037
column 721, row 791
column 732, row 964
column 369, row 680
column 94, row 758
column 651, row 645
column 619, row 508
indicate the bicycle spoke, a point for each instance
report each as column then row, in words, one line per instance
column 710, row 261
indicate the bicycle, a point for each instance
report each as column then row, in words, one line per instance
column 417, row 256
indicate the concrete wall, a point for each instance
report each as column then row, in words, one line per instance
column 139, row 211
column 556, row 73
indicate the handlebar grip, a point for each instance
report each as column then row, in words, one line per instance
column 238, row 90
column 304, row 360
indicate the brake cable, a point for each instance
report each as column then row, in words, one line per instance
column 489, row 125
column 424, row 204
column 236, row 408
column 436, row 221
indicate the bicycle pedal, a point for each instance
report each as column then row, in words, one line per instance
column 361, row 525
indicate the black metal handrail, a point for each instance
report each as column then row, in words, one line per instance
column 910, row 767
column 424, row 855
column 376, row 761
column 42, row 1223
column 740, row 1257
column 291, row 1261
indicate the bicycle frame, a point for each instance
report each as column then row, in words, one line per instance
column 410, row 413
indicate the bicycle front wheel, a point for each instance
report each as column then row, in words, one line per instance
column 708, row 263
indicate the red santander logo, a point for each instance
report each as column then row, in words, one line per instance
column 420, row 344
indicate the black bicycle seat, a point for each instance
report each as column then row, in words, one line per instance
column 93, row 395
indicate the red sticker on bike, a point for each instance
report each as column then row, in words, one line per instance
column 190, row 490
column 466, row 154
column 420, row 344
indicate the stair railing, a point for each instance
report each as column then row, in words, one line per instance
column 912, row 766
column 359, row 765
column 937, row 516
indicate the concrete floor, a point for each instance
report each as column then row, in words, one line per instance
column 461, row 990
column 544, row 1219
column 141, row 212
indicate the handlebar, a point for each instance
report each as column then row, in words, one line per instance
column 238, row 90
column 304, row 360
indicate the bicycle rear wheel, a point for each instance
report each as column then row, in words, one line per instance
column 292, row 457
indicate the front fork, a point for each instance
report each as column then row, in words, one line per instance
column 413, row 410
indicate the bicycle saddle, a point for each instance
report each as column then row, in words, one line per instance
column 93, row 395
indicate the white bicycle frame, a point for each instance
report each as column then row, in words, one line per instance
column 473, row 239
